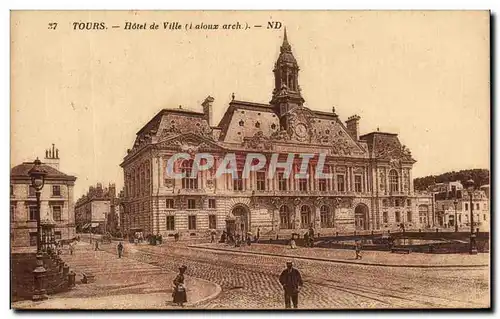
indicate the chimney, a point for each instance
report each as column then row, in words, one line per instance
column 207, row 109
column 352, row 124
column 52, row 157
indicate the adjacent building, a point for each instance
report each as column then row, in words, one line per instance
column 371, row 186
column 56, row 207
column 96, row 210
column 452, row 206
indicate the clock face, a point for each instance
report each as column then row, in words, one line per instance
column 301, row 130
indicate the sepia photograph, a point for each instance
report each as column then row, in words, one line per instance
column 250, row 160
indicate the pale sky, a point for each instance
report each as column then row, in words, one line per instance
column 423, row 75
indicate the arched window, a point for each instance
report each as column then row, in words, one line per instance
column 305, row 216
column 324, row 213
column 393, row 181
column 285, row 220
column 188, row 181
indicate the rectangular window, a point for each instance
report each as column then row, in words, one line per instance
column 385, row 217
column 466, row 206
column 408, row 202
column 57, row 235
column 303, row 185
column 56, row 212
column 477, row 206
column 191, row 222
column 281, row 182
column 31, row 191
column 211, row 203
column 32, row 239
column 32, row 213
column 212, row 221
column 340, row 183
column 484, row 216
column 169, row 203
column 357, row 183
column 384, row 202
column 56, row 190
column 396, row 202
column 261, row 181
column 11, row 190
column 238, row 182
column 191, row 204
column 170, row 222
column 398, row 217
column 322, row 184
column 408, row 217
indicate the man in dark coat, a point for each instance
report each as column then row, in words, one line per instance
column 120, row 249
column 291, row 280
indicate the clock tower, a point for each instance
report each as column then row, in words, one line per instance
column 286, row 93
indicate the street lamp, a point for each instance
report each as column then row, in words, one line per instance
column 37, row 175
column 455, row 203
column 472, row 248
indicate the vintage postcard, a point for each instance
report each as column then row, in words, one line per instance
column 250, row 160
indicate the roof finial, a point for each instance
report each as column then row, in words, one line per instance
column 378, row 129
column 286, row 46
column 232, row 95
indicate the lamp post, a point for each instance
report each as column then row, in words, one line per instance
column 455, row 203
column 37, row 175
column 472, row 247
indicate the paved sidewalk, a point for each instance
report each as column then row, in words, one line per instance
column 375, row 258
column 120, row 283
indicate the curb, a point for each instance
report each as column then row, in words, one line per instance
column 340, row 261
column 218, row 290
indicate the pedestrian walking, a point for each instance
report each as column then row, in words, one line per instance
column 291, row 280
column 357, row 247
column 96, row 245
column 71, row 248
column 258, row 235
column 120, row 249
column 179, row 294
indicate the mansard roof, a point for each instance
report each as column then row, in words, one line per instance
column 386, row 146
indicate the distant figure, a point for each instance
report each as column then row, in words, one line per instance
column 402, row 227
column 96, row 245
column 176, row 236
column 120, row 249
column 212, row 237
column 306, row 239
column 291, row 280
column 292, row 243
column 357, row 247
column 179, row 294
column 160, row 239
column 223, row 237
column 258, row 235
column 249, row 240
column 71, row 248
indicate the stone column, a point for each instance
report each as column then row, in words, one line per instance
column 297, row 216
column 317, row 216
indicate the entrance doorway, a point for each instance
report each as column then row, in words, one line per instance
column 361, row 217
column 237, row 222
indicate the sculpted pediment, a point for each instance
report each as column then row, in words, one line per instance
column 189, row 143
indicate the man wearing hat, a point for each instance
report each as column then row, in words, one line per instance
column 291, row 280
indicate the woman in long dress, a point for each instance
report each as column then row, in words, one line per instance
column 179, row 295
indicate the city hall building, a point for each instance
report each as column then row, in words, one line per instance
column 370, row 185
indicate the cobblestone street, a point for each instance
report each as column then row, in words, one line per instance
column 251, row 281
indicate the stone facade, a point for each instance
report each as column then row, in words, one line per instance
column 97, row 210
column 56, row 203
column 371, row 173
